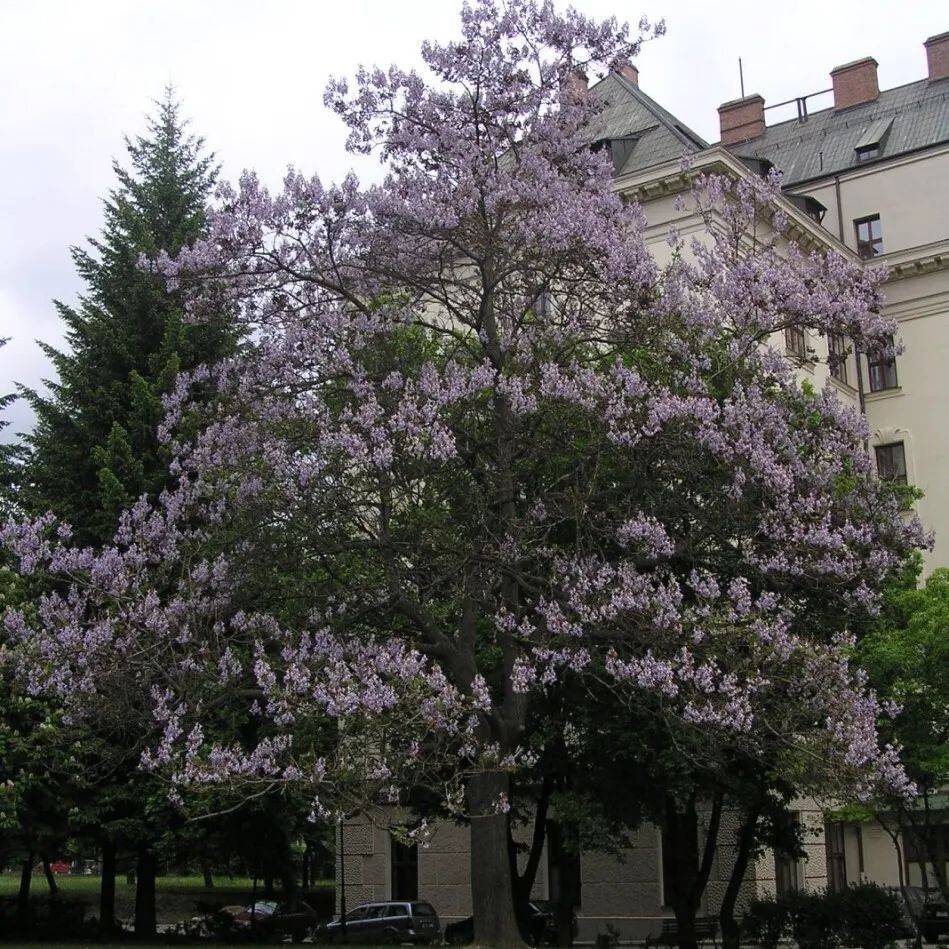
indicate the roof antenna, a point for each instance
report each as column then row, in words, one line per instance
column 741, row 77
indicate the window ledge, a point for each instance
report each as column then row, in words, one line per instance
column 883, row 394
column 844, row 387
column 799, row 362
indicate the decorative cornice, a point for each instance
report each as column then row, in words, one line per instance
column 916, row 261
column 670, row 178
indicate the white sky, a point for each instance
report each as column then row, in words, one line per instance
column 76, row 75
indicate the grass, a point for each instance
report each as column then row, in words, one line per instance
column 177, row 897
column 68, row 884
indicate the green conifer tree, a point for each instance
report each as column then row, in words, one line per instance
column 94, row 447
column 9, row 453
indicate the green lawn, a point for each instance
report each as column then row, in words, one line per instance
column 10, row 883
column 177, row 897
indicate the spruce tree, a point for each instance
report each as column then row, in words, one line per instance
column 9, row 453
column 94, row 448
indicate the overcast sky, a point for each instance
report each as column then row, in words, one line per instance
column 76, row 76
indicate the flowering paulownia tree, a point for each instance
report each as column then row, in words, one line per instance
column 479, row 446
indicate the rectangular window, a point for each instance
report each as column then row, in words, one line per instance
column 563, row 868
column 787, row 866
column 923, row 846
column 668, row 870
column 404, row 871
column 869, row 236
column 836, row 856
column 891, row 462
column 795, row 342
column 882, row 370
column 837, row 356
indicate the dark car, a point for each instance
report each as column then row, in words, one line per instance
column 541, row 926
column 929, row 912
column 391, row 922
column 270, row 918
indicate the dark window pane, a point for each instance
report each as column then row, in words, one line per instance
column 795, row 342
column 836, row 856
column 404, row 871
column 869, row 236
column 891, row 462
column 882, row 370
column 837, row 356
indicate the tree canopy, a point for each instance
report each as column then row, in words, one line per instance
column 906, row 658
column 477, row 449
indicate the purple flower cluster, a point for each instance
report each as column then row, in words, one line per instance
column 476, row 445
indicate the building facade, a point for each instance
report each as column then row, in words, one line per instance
column 874, row 167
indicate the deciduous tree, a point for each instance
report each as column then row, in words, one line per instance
column 906, row 658
column 499, row 450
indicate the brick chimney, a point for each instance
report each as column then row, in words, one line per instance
column 573, row 83
column 855, row 83
column 937, row 56
column 741, row 119
column 630, row 72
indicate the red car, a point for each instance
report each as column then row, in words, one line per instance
column 270, row 918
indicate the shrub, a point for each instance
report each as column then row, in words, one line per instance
column 766, row 921
column 870, row 916
column 865, row 916
column 815, row 922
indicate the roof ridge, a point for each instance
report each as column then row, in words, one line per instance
column 831, row 109
column 665, row 118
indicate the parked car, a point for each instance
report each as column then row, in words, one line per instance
column 270, row 918
column 929, row 912
column 394, row 921
column 541, row 926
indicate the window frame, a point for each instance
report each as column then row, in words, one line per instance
column 837, row 353
column 880, row 368
column 835, row 847
column 871, row 245
column 901, row 477
column 403, row 871
column 795, row 342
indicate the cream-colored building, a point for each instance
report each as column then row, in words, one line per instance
column 867, row 175
column 875, row 166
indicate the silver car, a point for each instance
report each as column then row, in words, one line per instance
column 391, row 922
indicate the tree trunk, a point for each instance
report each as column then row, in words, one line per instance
column 107, row 891
column 731, row 933
column 690, row 874
column 523, row 883
column 564, row 875
column 23, row 896
column 206, row 873
column 492, row 886
column 305, row 867
column 50, row 877
column 932, row 845
column 146, row 871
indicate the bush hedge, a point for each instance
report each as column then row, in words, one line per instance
column 863, row 916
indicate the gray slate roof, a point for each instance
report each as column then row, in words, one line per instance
column 915, row 116
column 652, row 134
